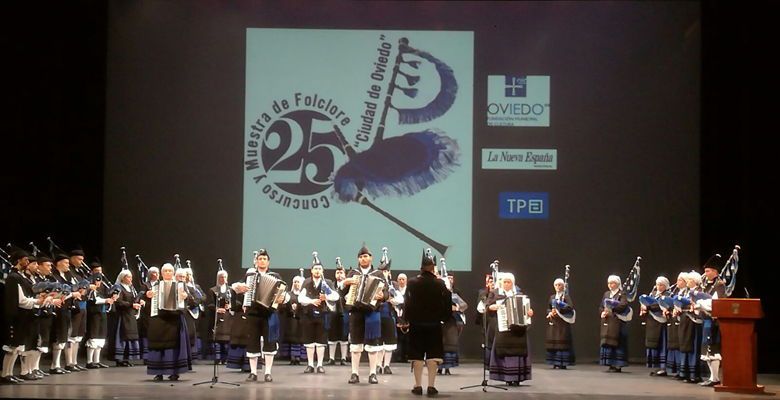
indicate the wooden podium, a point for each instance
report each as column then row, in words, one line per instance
column 737, row 320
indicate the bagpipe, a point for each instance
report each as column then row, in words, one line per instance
column 456, row 299
column 629, row 287
column 728, row 274
column 649, row 301
column 324, row 289
column 5, row 264
column 560, row 306
column 685, row 302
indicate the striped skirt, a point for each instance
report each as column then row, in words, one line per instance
column 171, row 361
column 616, row 356
column 656, row 357
column 560, row 358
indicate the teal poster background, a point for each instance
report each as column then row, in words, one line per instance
column 303, row 86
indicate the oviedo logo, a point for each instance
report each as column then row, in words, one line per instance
column 295, row 150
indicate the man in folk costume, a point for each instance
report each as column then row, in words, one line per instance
column 316, row 293
column 169, row 347
column 365, row 323
column 78, row 316
column 128, row 307
column 401, row 352
column 48, row 310
column 388, row 318
column 560, row 316
column 38, row 294
column 143, row 320
column 262, row 323
column 509, row 360
column 63, row 320
column 656, row 332
column 338, row 332
column 710, row 350
column 219, row 307
column 98, row 302
column 19, row 304
column 615, row 312
column 427, row 304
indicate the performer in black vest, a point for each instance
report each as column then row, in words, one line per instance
column 427, row 304
column 47, row 311
column 128, row 310
column 38, row 294
column 338, row 332
column 18, row 309
column 143, row 320
column 315, row 296
column 560, row 316
column 614, row 329
column 78, row 314
column 715, row 288
column 169, row 347
column 63, row 321
column 656, row 333
column 218, row 305
column 365, row 324
column 262, row 323
column 98, row 302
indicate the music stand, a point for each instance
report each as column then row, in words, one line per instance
column 214, row 377
column 484, row 385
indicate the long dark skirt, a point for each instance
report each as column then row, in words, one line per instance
column 690, row 366
column 656, row 356
column 510, row 368
column 125, row 350
column 171, row 361
column 237, row 359
column 560, row 358
column 616, row 356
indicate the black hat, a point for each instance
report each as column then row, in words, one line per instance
column 95, row 263
column 18, row 254
column 427, row 259
column 43, row 257
column 263, row 252
column 60, row 256
column 364, row 250
column 315, row 260
column 77, row 252
column 713, row 262
column 384, row 263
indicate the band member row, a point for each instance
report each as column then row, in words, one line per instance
column 365, row 324
column 262, row 323
column 561, row 315
column 509, row 360
column 316, row 297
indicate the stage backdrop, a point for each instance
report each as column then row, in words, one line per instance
column 538, row 134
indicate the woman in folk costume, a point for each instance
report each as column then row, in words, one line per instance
column 673, row 356
column 128, row 309
column 153, row 276
column 690, row 331
column 290, row 319
column 219, row 307
column 452, row 328
column 655, row 326
column 194, row 305
column 560, row 317
column 510, row 359
column 615, row 314
column 486, row 319
column 169, row 345
column 239, row 331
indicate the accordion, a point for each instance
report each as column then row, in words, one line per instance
column 166, row 297
column 514, row 312
column 264, row 289
column 363, row 293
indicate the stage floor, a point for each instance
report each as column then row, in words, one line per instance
column 580, row 382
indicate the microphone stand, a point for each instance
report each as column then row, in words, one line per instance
column 485, row 361
column 214, row 377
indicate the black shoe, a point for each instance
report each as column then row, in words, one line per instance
column 372, row 379
column 57, row 371
column 447, row 371
column 251, row 378
column 438, row 371
column 157, row 378
column 40, row 373
column 709, row 383
column 555, row 367
column 309, row 370
column 343, row 362
column 268, row 378
column 378, row 370
column 696, row 380
column 101, row 365
column 320, row 370
column 660, row 373
column 174, row 377
column 432, row 391
column 331, row 362
column 562, row 367
column 618, row 369
column 292, row 362
column 354, row 378
column 387, row 370
column 417, row 390
column 71, row 368
column 79, row 367
column 92, row 366
column 6, row 380
column 30, row 377
column 679, row 378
